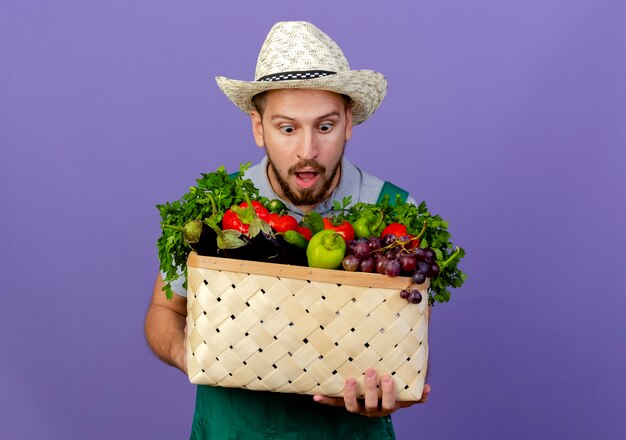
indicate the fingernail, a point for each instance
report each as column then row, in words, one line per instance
column 386, row 379
column 351, row 383
column 370, row 374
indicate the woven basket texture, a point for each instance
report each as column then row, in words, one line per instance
column 291, row 329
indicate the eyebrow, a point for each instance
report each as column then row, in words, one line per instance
column 327, row 115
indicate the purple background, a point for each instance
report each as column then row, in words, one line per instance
column 507, row 117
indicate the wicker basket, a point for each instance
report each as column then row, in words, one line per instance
column 274, row 327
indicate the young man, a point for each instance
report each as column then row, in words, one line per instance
column 302, row 109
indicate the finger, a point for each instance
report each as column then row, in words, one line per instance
column 423, row 399
column 349, row 396
column 425, row 393
column 389, row 394
column 326, row 400
column 371, row 391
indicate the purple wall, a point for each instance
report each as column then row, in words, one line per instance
column 508, row 118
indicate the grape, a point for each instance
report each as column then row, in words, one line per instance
column 420, row 254
column 350, row 244
column 418, row 277
column 361, row 250
column 367, row 264
column 381, row 262
column 415, row 297
column 423, row 267
column 388, row 239
column 350, row 263
column 374, row 243
column 408, row 262
column 392, row 268
column 391, row 253
column 433, row 271
column 404, row 293
column 429, row 255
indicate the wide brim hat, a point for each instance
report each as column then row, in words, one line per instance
column 297, row 55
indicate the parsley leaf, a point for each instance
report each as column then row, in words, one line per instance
column 207, row 201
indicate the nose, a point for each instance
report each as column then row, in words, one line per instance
column 309, row 145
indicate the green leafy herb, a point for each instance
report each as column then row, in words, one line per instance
column 207, row 201
column 342, row 206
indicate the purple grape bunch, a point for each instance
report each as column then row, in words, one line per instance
column 389, row 256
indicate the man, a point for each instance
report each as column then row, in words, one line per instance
column 303, row 105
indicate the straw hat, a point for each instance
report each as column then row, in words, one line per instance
column 296, row 54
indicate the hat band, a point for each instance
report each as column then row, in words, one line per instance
column 286, row 76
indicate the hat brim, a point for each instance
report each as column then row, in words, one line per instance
column 366, row 88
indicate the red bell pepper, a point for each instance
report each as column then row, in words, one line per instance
column 261, row 211
column 306, row 232
column 232, row 221
column 282, row 223
column 239, row 218
column 344, row 228
column 397, row 229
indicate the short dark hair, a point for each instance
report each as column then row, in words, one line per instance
column 258, row 101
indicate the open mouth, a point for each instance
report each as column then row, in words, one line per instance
column 306, row 179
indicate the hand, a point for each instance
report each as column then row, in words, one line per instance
column 370, row 405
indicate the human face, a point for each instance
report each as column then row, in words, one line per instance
column 304, row 133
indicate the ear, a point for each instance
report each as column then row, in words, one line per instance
column 257, row 128
column 348, row 123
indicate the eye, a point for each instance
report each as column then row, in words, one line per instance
column 287, row 129
column 326, row 127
